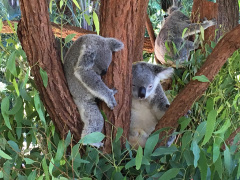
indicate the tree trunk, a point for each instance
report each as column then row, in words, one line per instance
column 37, row 40
column 194, row 89
column 228, row 16
column 124, row 20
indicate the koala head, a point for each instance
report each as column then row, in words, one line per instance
column 146, row 78
column 104, row 47
column 172, row 9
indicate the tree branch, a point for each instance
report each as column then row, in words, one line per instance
column 67, row 29
column 150, row 31
column 183, row 102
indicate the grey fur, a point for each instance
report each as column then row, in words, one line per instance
column 85, row 61
column 171, row 32
column 147, row 110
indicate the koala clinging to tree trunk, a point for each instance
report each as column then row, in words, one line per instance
column 170, row 41
column 85, row 62
column 149, row 102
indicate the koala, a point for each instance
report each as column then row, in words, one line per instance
column 171, row 35
column 85, row 62
column 149, row 102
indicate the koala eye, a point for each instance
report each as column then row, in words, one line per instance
column 150, row 86
column 133, row 85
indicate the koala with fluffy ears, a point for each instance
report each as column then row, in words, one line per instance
column 170, row 35
column 149, row 102
column 85, row 62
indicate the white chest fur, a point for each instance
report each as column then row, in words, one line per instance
column 142, row 116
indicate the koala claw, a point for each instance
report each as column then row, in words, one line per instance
column 112, row 103
column 214, row 21
column 114, row 90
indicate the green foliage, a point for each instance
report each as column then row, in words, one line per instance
column 30, row 148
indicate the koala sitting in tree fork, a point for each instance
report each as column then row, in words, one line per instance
column 170, row 35
column 85, row 62
column 149, row 102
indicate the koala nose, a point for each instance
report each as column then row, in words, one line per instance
column 141, row 92
column 167, row 105
column 103, row 72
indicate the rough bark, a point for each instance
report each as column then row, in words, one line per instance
column 183, row 102
column 151, row 35
column 205, row 9
column 37, row 39
column 67, row 29
column 122, row 20
column 228, row 16
column 150, row 31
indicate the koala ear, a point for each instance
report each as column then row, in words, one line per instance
column 163, row 73
column 114, row 44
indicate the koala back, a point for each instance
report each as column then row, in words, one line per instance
column 89, row 52
column 97, row 49
column 171, row 31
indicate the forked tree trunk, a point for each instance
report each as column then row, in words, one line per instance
column 38, row 42
column 124, row 20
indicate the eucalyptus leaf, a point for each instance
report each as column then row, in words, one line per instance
column 184, row 31
column 11, row 63
column 4, row 110
column 32, row 175
column 4, row 155
column 96, row 22
column 139, row 157
column 15, row 85
column 87, row 18
column 45, row 168
column 76, row 3
column 200, row 132
column 92, row 138
column 119, row 134
column 202, row 32
column 164, row 151
column 171, row 173
column 44, row 77
column 38, row 106
column 196, row 152
column 60, row 151
column 69, row 38
column 28, row 160
column 17, row 106
column 211, row 119
column 216, row 152
column 201, row 78
column 150, row 145
column 228, row 162
column 14, row 146
column 202, row 164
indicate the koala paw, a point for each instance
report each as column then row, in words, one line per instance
column 213, row 21
column 114, row 90
column 112, row 102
